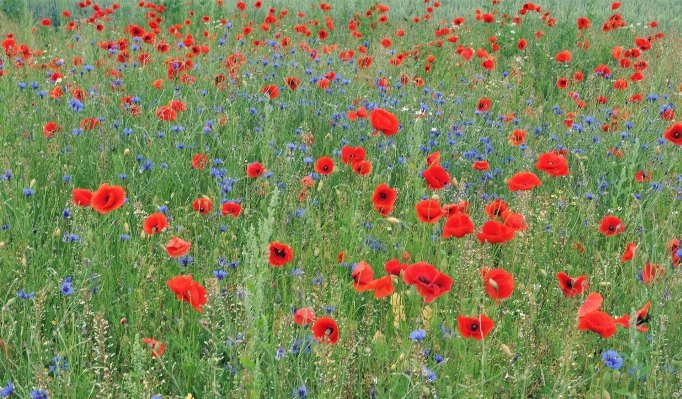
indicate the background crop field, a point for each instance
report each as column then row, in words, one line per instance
column 81, row 290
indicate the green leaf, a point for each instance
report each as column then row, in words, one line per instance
column 247, row 363
column 623, row 392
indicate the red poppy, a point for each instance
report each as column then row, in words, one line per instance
column 521, row 45
column 672, row 247
column 652, row 273
column 326, row 331
column 553, row 164
column 496, row 208
column 177, row 247
column 293, row 82
column 598, row 322
column 199, row 161
column 495, row 232
column 394, row 267
column 362, row 168
column 157, row 347
column 383, row 199
column 166, row 113
column 362, row 275
column 231, row 208
column 564, row 56
column 254, row 169
column 382, row 287
column 324, row 165
column 499, row 283
column 642, row 176
column 483, row 105
column 629, row 252
column 517, row 137
column 271, row 91
column 643, row 317
column 107, row 198
column 188, row 291
column 433, row 159
column 674, row 133
column 583, row 23
column 436, row 177
column 81, row 196
column 155, row 223
column 460, row 207
column 481, row 165
column 304, row 316
column 280, row 254
column 351, row 155
column 611, row 225
column 202, row 205
column 562, row 83
column 572, row 286
column 50, row 129
column 429, row 282
column 89, row 123
column 514, row 220
column 475, row 327
column 384, row 121
column 458, row 225
column 523, row 181
column 429, row 211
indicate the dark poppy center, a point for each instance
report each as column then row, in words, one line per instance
column 569, row 284
column 325, row 168
column 329, row 331
column 677, row 135
column 424, row 280
column 383, row 196
column 612, row 228
column 106, row 199
column 643, row 319
column 280, row 253
column 474, row 327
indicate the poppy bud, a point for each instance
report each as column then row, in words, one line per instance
column 2, row 244
column 172, row 195
column 454, row 182
column 505, row 349
column 319, row 185
column 543, row 272
column 9, row 303
column 123, row 321
column 316, row 253
column 604, row 283
column 605, row 394
column 126, row 152
column 57, row 232
column 143, row 235
column 338, row 193
column 392, row 220
column 23, row 261
column 126, row 227
column 493, row 284
column 615, row 376
column 606, row 379
column 33, row 182
column 435, row 197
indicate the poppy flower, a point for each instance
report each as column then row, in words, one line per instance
column 231, row 208
column 672, row 247
column 483, row 105
column 429, row 282
column 436, row 177
column 495, row 232
column 363, row 168
column 270, row 90
column 572, row 286
column 611, row 225
column 155, row 223
column 81, row 196
column 514, row 220
column 157, row 347
column 643, row 317
column 326, row 331
column 383, row 199
column 629, row 252
column 481, row 165
column 324, row 165
column 384, row 121
column 553, row 164
column 642, row 176
column 362, row 275
column 475, row 327
column 564, row 56
column 107, row 198
column 522, row 44
column 166, row 113
column 652, row 273
column 429, row 211
column 460, row 207
column 188, row 291
column 394, row 267
column 304, row 316
column 199, row 161
column 598, row 322
column 177, row 247
column 433, row 159
column 280, row 254
column 499, row 283
column 458, row 225
column 50, row 129
column 293, row 82
column 382, row 287
column 202, row 205
column 517, row 138
column 350, row 155
column 496, row 208
column 254, row 169
column 523, row 181
column 583, row 23
column 674, row 133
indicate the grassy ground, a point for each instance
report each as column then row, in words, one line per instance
column 89, row 343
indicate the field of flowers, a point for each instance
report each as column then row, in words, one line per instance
column 219, row 199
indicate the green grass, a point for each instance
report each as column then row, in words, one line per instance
column 231, row 350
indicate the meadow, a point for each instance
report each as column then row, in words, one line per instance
column 340, row 200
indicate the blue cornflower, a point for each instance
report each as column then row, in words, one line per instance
column 28, row 192
column 24, row 295
column 7, row 390
column 67, row 289
column 125, row 237
column 612, row 360
column 39, row 394
column 418, row 335
column 301, row 392
column 185, row 260
column 220, row 274
column 430, row 375
column 66, row 213
column 280, row 353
